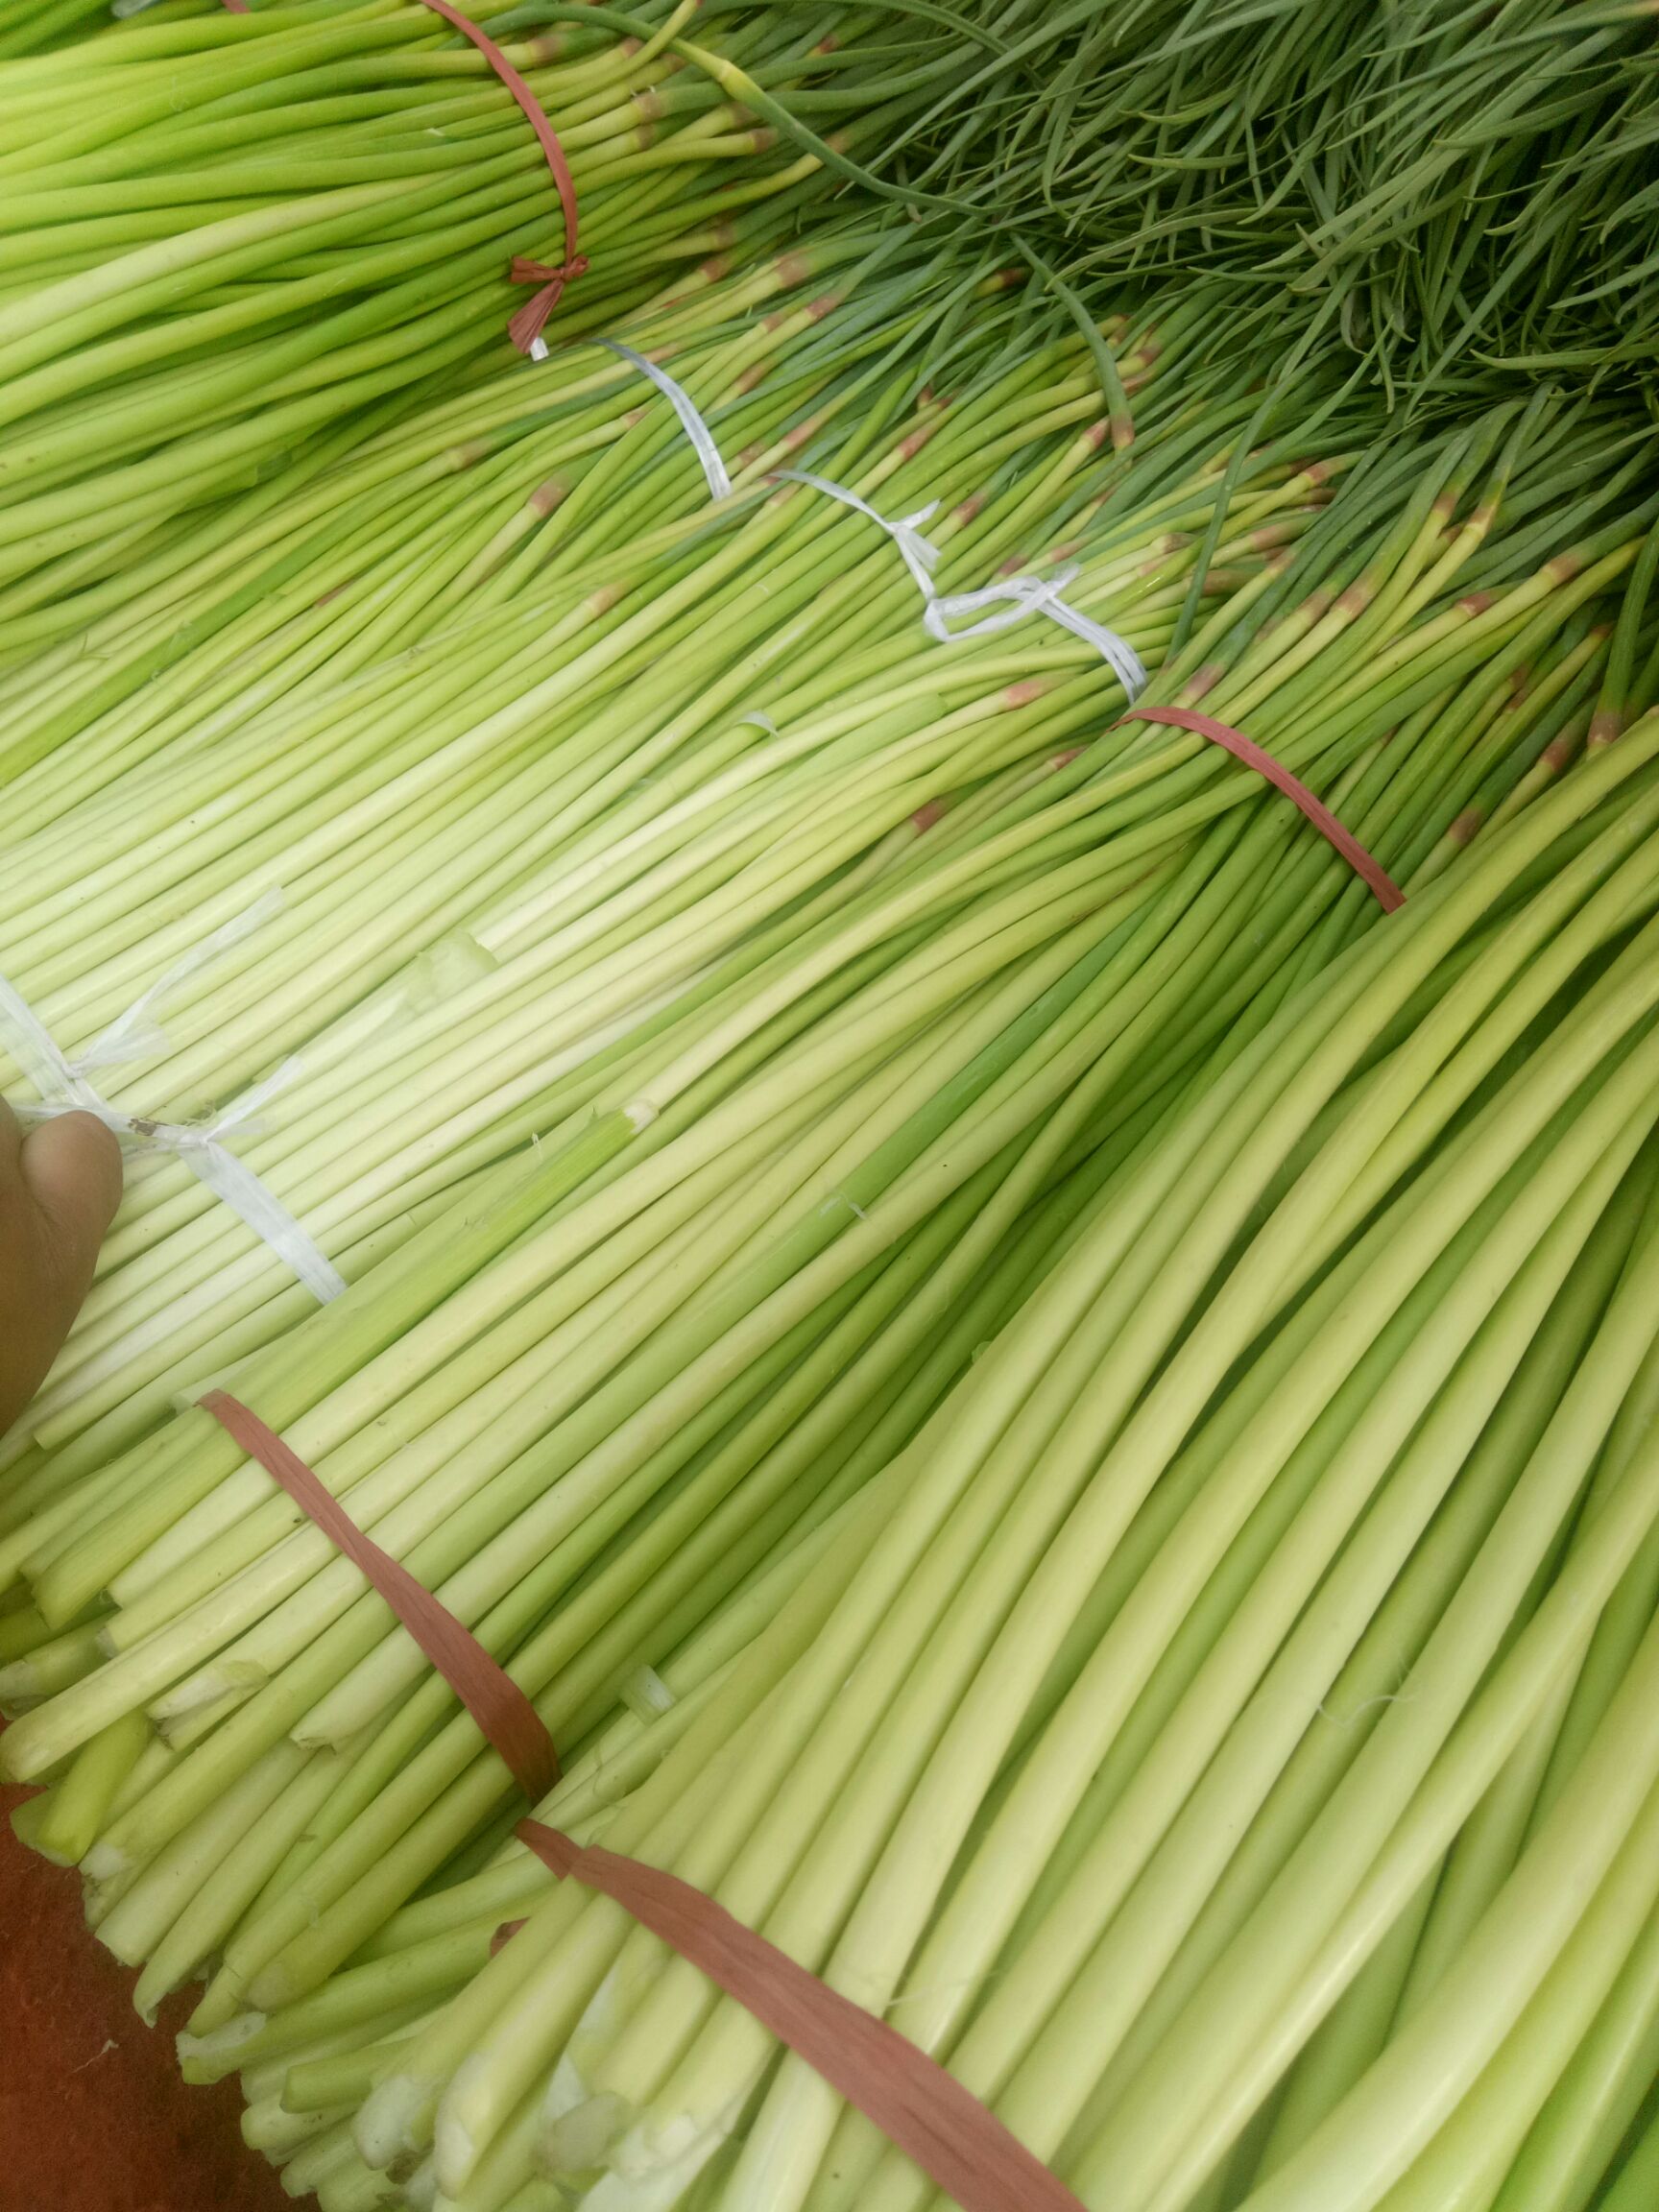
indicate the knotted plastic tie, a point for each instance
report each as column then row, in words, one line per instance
column 1037, row 595
column 1019, row 595
column 526, row 326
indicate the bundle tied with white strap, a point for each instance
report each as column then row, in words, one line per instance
column 1015, row 596
column 65, row 1086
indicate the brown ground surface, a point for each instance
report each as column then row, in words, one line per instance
column 93, row 2116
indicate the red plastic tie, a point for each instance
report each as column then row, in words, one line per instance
column 501, row 1709
column 526, row 326
column 1388, row 893
column 927, row 2112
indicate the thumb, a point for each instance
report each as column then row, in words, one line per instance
column 71, row 1169
column 58, row 1190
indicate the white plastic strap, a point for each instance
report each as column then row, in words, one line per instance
column 920, row 555
column 1018, row 597
column 1125, row 664
column 691, row 421
column 201, row 1148
column 138, row 1032
column 65, row 1087
column 1033, row 595
column 204, row 1153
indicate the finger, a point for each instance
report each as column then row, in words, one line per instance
column 58, row 1190
column 71, row 1169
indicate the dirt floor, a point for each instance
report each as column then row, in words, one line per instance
column 93, row 2116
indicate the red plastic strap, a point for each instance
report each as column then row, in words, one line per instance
column 961, row 2145
column 1245, row 749
column 527, row 325
column 927, row 2112
column 502, row 1711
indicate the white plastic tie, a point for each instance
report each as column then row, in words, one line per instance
column 205, row 1154
column 138, row 1032
column 1015, row 598
column 65, row 1087
column 691, row 421
column 919, row 554
column 1034, row 595
column 1119, row 656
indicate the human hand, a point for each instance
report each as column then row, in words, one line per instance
column 60, row 1187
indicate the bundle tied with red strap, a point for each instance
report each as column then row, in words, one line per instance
column 959, row 2142
column 930, row 2116
column 526, row 326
